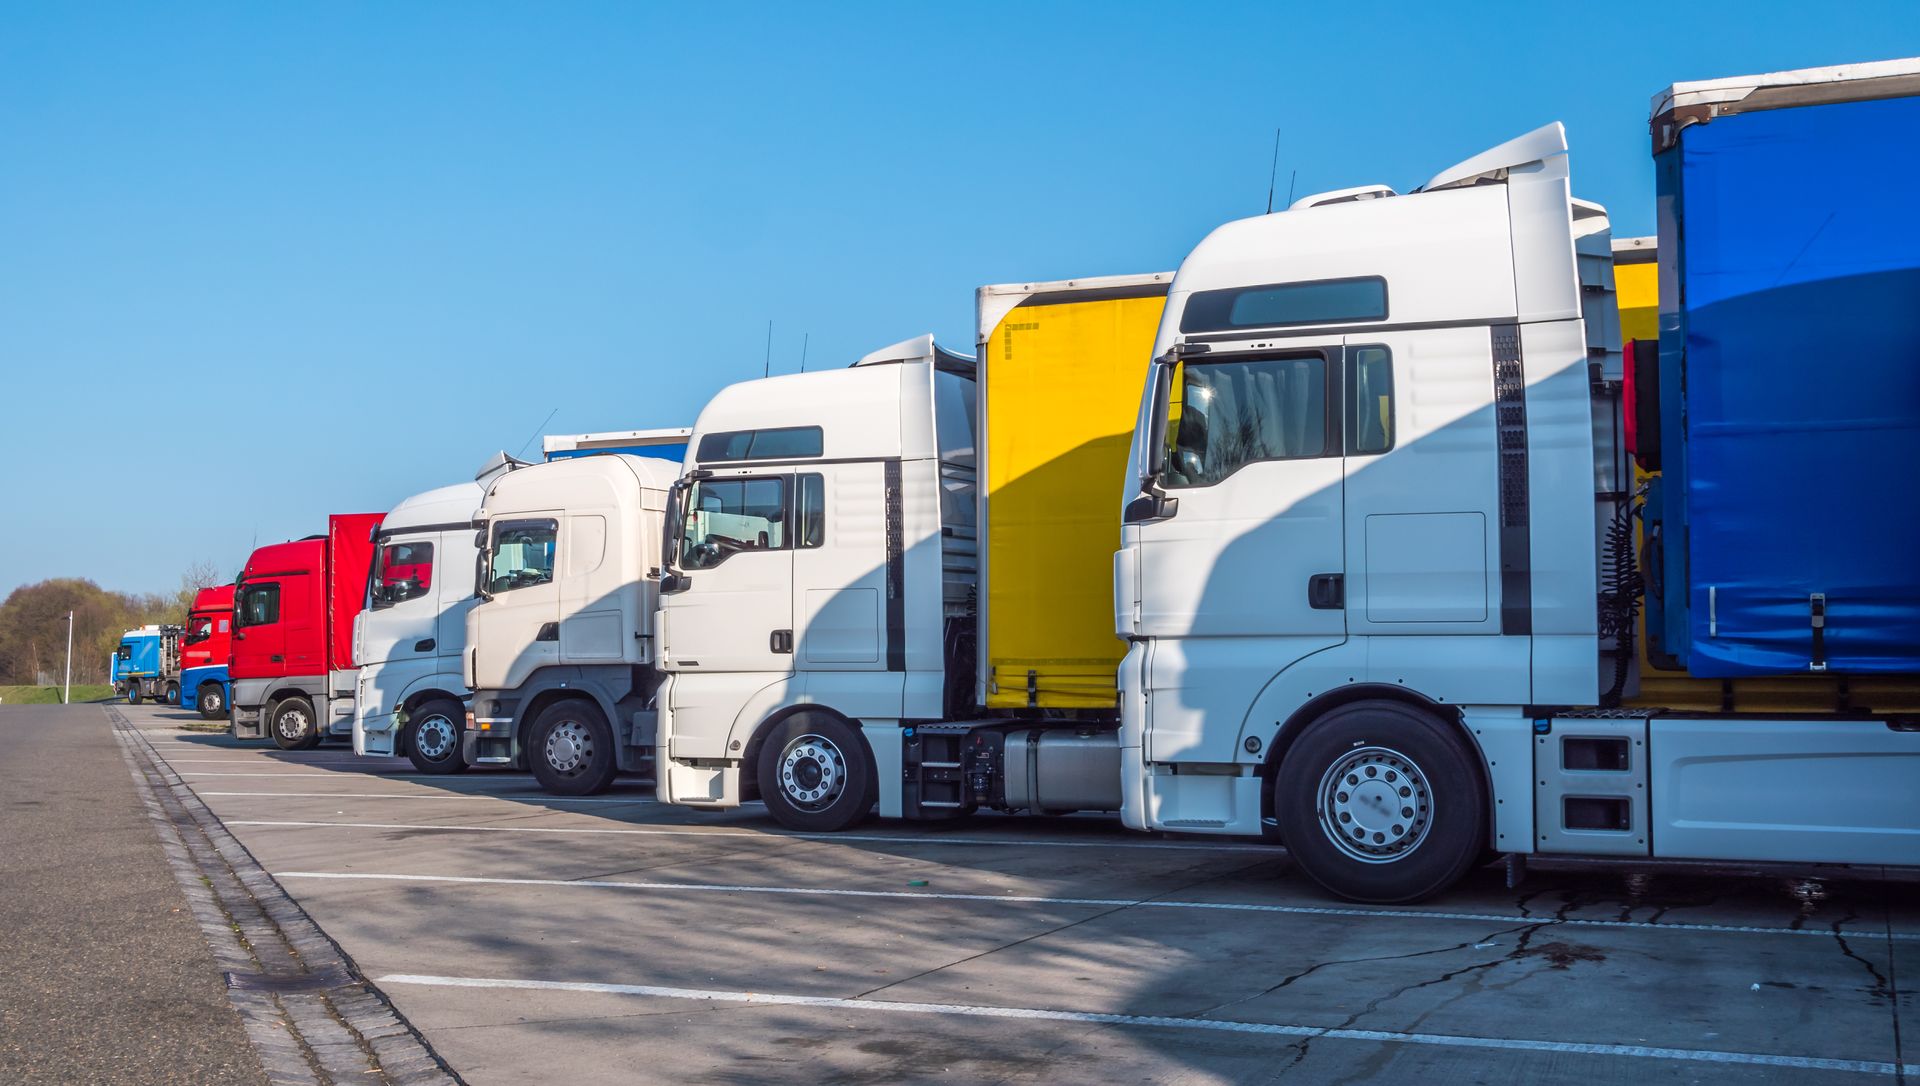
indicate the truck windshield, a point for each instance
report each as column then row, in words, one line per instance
column 723, row 517
column 125, row 652
column 521, row 555
column 401, row 571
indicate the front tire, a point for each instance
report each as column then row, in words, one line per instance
column 212, row 702
column 173, row 693
column 570, row 749
column 292, row 725
column 815, row 774
column 133, row 693
column 433, row 736
column 1381, row 802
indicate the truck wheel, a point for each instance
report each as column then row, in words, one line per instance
column 815, row 774
column 291, row 725
column 570, row 749
column 173, row 693
column 1380, row 802
column 433, row 736
column 133, row 693
column 212, row 703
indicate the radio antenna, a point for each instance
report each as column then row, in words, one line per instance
column 536, row 431
column 1291, row 178
column 1273, row 171
column 804, row 338
column 768, row 368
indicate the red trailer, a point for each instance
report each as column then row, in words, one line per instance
column 205, row 651
column 293, row 611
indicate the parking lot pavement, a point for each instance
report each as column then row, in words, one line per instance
column 532, row 939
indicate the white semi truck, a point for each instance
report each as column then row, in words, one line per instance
column 410, row 636
column 1374, row 578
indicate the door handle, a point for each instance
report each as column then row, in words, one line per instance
column 549, row 632
column 780, row 641
column 424, row 645
column 276, row 658
column 1327, row 591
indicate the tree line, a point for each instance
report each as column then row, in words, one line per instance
column 33, row 624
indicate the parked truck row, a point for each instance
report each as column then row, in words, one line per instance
column 1366, row 531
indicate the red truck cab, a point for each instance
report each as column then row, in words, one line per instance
column 293, row 611
column 205, row 650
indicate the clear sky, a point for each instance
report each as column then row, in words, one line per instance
column 261, row 262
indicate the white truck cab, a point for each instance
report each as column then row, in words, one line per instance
column 560, row 647
column 410, row 635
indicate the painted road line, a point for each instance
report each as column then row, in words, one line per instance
column 517, row 778
column 1219, row 1025
column 541, row 796
column 1098, row 903
column 635, row 831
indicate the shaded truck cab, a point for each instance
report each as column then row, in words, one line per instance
column 205, row 649
column 293, row 610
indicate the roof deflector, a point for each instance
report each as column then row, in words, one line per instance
column 920, row 349
column 1493, row 164
column 498, row 464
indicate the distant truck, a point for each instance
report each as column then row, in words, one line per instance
column 293, row 610
column 205, row 649
column 147, row 665
column 411, row 635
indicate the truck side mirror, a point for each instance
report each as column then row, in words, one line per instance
column 1149, row 506
column 674, row 582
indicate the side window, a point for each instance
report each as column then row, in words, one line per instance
column 810, row 504
column 1235, row 412
column 124, row 652
column 1369, row 400
column 401, row 571
column 200, row 630
column 727, row 516
column 522, row 554
column 259, row 604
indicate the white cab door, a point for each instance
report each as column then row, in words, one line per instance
column 517, row 630
column 733, row 608
column 839, row 569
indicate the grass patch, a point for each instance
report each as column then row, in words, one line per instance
column 50, row 695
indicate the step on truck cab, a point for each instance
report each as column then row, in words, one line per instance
column 560, row 647
column 146, row 664
column 293, row 610
column 206, row 646
column 410, row 692
column 1378, row 577
column 890, row 585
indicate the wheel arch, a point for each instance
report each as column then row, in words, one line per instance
column 1303, row 718
column 541, row 700
column 750, row 754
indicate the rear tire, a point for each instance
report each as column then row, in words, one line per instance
column 570, row 749
column 1381, row 802
column 434, row 734
column 815, row 774
column 212, row 702
column 292, row 725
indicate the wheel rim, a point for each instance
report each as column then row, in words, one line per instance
column 433, row 738
column 569, row 746
column 1375, row 805
column 214, row 702
column 290, row 723
column 813, row 772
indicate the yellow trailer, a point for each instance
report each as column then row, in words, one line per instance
column 1062, row 367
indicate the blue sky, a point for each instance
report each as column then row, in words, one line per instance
column 261, row 262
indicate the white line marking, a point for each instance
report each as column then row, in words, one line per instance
column 517, row 778
column 1221, row 1025
column 896, row 839
column 1094, row 902
column 541, row 796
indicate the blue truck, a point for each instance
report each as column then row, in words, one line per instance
column 146, row 665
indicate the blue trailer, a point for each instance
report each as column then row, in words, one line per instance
column 146, row 665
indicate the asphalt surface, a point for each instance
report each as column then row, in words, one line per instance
column 532, row 939
column 104, row 975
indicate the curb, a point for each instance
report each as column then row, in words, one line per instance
column 311, row 1015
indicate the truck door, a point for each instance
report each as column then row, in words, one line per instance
column 733, row 559
column 403, row 591
column 839, row 568
column 260, row 635
column 1246, row 573
column 518, row 630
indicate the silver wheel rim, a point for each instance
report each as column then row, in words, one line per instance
column 291, row 723
column 1375, row 805
column 569, row 746
column 813, row 772
column 213, row 701
column 433, row 738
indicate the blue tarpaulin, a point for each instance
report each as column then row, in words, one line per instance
column 1797, row 345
